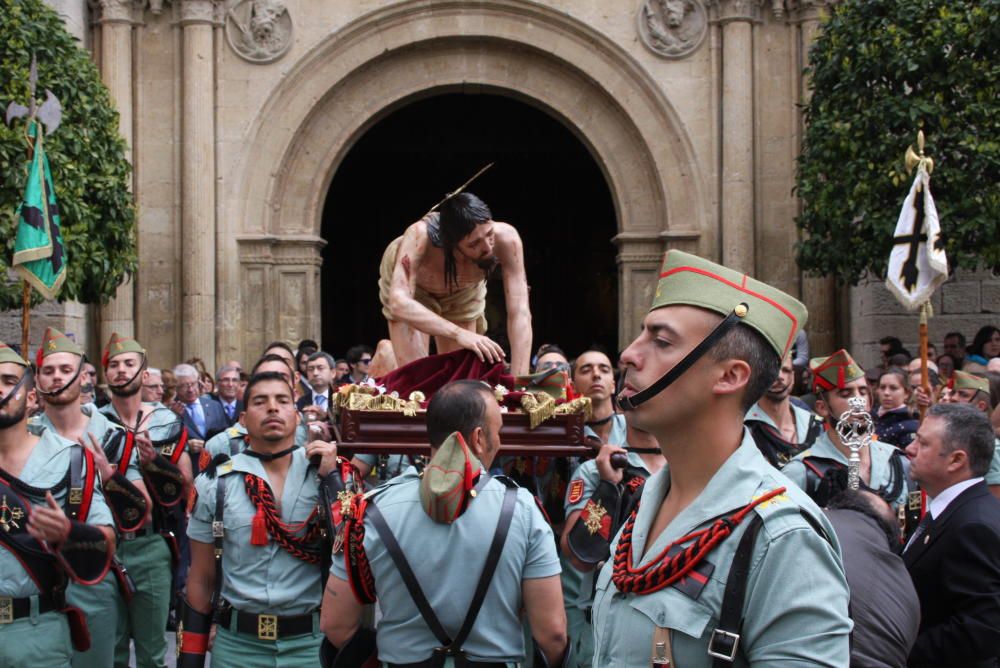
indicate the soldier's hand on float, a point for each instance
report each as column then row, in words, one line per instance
column 147, row 452
column 604, row 466
column 486, row 349
column 101, row 462
column 49, row 523
column 326, row 451
column 319, row 431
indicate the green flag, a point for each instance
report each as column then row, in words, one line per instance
column 39, row 255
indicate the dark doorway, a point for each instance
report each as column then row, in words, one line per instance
column 544, row 182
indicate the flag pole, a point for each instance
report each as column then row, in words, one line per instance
column 924, row 376
column 26, row 290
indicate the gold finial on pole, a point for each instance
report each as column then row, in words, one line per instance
column 916, row 158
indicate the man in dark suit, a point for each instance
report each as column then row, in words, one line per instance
column 227, row 383
column 954, row 555
column 203, row 417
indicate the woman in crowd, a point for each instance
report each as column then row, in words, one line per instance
column 894, row 424
column 984, row 347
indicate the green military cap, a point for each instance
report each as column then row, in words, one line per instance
column 960, row 380
column 8, row 356
column 835, row 371
column 448, row 480
column 693, row 281
column 119, row 345
column 54, row 341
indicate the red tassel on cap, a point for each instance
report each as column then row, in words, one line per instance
column 258, row 529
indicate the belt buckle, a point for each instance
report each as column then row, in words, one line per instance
column 6, row 610
column 267, row 627
column 726, row 654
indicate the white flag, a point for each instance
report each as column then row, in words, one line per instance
column 917, row 265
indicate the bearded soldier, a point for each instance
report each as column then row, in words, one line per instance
column 150, row 552
column 59, row 362
column 54, row 527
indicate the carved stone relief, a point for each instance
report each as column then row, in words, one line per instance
column 259, row 30
column 672, row 28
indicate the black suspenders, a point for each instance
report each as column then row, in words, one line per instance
column 449, row 646
column 218, row 535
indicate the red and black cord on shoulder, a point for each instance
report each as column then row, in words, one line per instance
column 664, row 571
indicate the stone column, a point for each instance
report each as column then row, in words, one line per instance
column 737, row 197
column 116, row 21
column 818, row 293
column 197, row 21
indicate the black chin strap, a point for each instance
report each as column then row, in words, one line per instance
column 56, row 393
column 10, row 395
column 641, row 397
column 142, row 367
column 269, row 456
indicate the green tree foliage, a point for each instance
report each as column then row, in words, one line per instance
column 89, row 169
column 881, row 70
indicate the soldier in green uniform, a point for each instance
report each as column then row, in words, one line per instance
column 454, row 555
column 55, row 528
column 822, row 470
column 700, row 571
column 780, row 428
column 259, row 542
column 59, row 362
column 598, row 499
column 158, row 439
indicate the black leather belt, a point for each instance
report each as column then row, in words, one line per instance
column 18, row 608
column 266, row 627
column 436, row 663
column 138, row 533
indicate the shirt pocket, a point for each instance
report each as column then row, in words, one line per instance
column 669, row 608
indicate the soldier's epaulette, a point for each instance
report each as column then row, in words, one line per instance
column 233, row 432
column 805, row 453
column 220, row 465
column 508, row 482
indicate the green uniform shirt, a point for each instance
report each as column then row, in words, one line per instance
column 447, row 560
column 260, row 579
column 795, row 608
column 46, row 467
column 98, row 427
column 803, row 419
column 587, row 473
column 881, row 470
column 993, row 474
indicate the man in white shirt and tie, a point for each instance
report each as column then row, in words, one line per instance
column 319, row 369
column 954, row 555
column 227, row 383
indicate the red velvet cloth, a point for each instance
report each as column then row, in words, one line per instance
column 429, row 374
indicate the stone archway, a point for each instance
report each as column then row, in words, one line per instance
column 269, row 262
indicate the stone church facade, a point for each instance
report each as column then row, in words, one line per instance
column 238, row 114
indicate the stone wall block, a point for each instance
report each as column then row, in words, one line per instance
column 990, row 297
column 961, row 297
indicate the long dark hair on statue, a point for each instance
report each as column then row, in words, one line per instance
column 459, row 216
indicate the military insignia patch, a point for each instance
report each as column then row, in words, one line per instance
column 575, row 491
column 692, row 584
column 595, row 517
